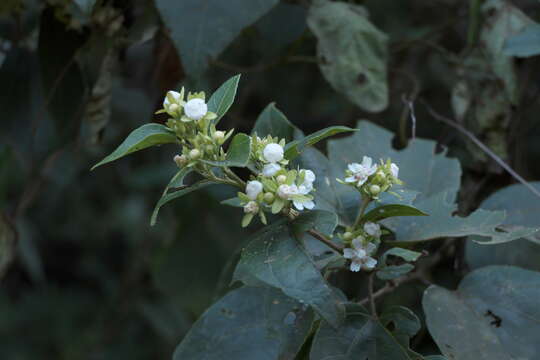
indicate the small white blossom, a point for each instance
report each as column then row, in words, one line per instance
column 270, row 169
column 372, row 229
column 285, row 191
column 360, row 172
column 394, row 169
column 195, row 109
column 251, row 207
column 301, row 204
column 253, row 189
column 175, row 95
column 273, row 153
column 360, row 255
column 309, row 176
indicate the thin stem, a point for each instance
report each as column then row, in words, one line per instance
column 231, row 173
column 370, row 295
column 365, row 202
column 474, row 22
column 317, row 235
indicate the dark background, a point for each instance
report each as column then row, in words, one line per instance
column 86, row 275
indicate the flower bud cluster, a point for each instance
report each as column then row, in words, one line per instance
column 371, row 179
column 268, row 155
column 361, row 245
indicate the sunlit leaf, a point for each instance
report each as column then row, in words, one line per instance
column 223, row 98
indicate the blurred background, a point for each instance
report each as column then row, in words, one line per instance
column 82, row 273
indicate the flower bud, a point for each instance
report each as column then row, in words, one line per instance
column 253, row 189
column 219, row 136
column 273, row 153
column 283, row 191
column 394, row 170
column 195, row 109
column 269, row 198
column 270, row 169
column 173, row 108
column 281, row 179
column 180, row 160
column 251, row 207
column 347, row 236
column 194, row 154
column 209, row 148
column 374, row 189
column 175, row 95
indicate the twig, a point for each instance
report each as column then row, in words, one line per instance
column 481, row 145
column 370, row 295
column 365, row 202
column 317, row 235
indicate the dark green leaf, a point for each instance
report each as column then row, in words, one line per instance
column 273, row 122
column 7, row 245
column 524, row 44
column 222, row 99
column 270, row 259
column 494, row 314
column 386, row 211
column 353, row 52
column 295, row 148
column 177, row 194
column 394, row 271
column 405, row 254
column 237, row 153
column 141, row 138
column 323, row 221
column 248, row 323
column 202, row 29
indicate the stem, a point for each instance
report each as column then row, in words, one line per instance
column 241, row 183
column 363, row 206
column 317, row 235
column 474, row 22
column 370, row 295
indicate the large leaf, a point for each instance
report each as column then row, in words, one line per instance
column 522, row 210
column 274, row 257
column 352, row 51
column 432, row 175
column 363, row 337
column 248, row 323
column 392, row 210
column 237, row 153
column 295, row 148
column 494, row 314
column 202, row 29
column 524, row 44
column 222, row 99
column 141, row 138
column 273, row 122
column 322, row 221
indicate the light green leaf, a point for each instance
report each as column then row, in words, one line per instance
column 494, row 314
column 352, row 51
column 202, row 29
column 237, row 153
column 273, row 122
column 407, row 255
column 141, row 138
column 363, row 337
column 524, row 44
column 296, row 147
column 248, row 323
column 323, row 221
column 391, row 210
column 178, row 194
column 270, row 259
column 222, row 99
column 522, row 209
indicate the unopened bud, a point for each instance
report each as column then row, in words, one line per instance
column 281, row 179
column 209, row 148
column 173, row 108
column 180, row 160
column 347, row 236
column 374, row 189
column 219, row 136
column 194, row 154
column 269, row 198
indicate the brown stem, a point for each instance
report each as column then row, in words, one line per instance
column 317, row 235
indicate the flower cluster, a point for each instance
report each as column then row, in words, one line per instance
column 360, row 245
column 274, row 187
column 192, row 123
column 371, row 179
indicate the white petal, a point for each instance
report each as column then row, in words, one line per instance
column 350, row 179
column 370, row 263
column 298, row 205
column 355, row 167
column 195, row 109
column 355, row 266
column 253, row 189
column 357, row 243
column 309, row 176
column 361, row 181
column 366, row 162
column 394, row 169
column 273, row 153
column 309, row 204
column 270, row 169
column 348, row 253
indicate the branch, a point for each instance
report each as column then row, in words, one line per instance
column 317, row 235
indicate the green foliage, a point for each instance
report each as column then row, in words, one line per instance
column 493, row 315
column 273, row 122
column 222, row 99
column 237, row 153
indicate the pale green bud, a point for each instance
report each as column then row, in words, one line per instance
column 347, row 236
column 269, row 198
column 374, row 189
column 194, row 154
column 219, row 136
column 180, row 160
column 173, row 108
column 281, row 179
column 209, row 148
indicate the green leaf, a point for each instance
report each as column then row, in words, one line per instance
column 323, row 221
column 270, row 259
column 141, row 138
column 363, row 337
column 407, row 255
column 524, row 44
column 248, row 323
column 273, row 122
column 522, row 209
column 202, row 29
column 178, row 194
column 295, row 148
column 391, row 210
column 494, row 314
column 394, row 271
column 353, row 52
column 237, row 153
column 222, row 99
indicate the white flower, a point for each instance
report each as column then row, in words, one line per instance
column 360, row 172
column 195, row 109
column 251, row 207
column 372, row 229
column 273, row 153
column 301, row 204
column 394, row 169
column 253, row 189
column 270, row 169
column 175, row 95
column 285, row 191
column 309, row 176
column 360, row 255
